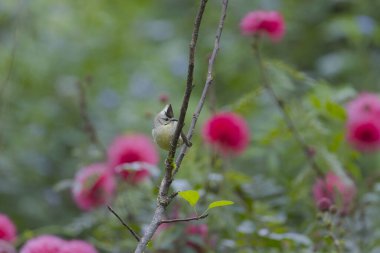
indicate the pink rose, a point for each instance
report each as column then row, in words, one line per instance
column 93, row 186
column 365, row 104
column 43, row 244
column 7, row 229
column 333, row 190
column 363, row 122
column 260, row 22
column 228, row 132
column 77, row 246
column 132, row 148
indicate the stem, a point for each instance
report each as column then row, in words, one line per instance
column 8, row 75
column 88, row 126
column 280, row 104
column 189, row 82
column 184, row 220
column 208, row 83
column 135, row 235
column 163, row 199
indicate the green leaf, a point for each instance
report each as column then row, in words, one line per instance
column 335, row 110
column 219, row 203
column 190, row 196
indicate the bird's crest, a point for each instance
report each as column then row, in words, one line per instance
column 169, row 111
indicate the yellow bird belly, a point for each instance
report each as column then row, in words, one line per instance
column 163, row 135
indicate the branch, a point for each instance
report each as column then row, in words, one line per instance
column 288, row 120
column 173, row 196
column 163, row 199
column 184, row 220
column 5, row 82
column 89, row 128
column 135, row 235
column 208, row 83
column 9, row 71
column 4, row 85
column 189, row 86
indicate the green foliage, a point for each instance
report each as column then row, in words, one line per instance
column 219, row 203
column 190, row 196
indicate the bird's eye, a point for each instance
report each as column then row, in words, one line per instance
column 166, row 119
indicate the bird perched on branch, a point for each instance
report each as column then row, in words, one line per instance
column 164, row 128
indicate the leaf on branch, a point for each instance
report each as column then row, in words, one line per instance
column 220, row 203
column 190, row 196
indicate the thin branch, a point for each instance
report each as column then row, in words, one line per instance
column 10, row 69
column 288, row 120
column 89, row 128
column 189, row 86
column 173, row 195
column 208, row 83
column 135, row 235
column 184, row 220
column 8, row 75
column 5, row 83
column 171, row 168
column 163, row 199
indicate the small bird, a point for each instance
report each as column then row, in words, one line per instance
column 164, row 128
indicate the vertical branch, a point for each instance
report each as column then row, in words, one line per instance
column 135, row 235
column 189, row 83
column 5, row 83
column 163, row 199
column 8, row 75
column 10, row 69
column 208, row 83
column 88, row 127
column 280, row 104
column 9, row 72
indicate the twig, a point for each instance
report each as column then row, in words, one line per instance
column 10, row 69
column 184, row 220
column 135, row 235
column 5, row 83
column 89, row 128
column 189, row 85
column 171, row 168
column 173, row 195
column 288, row 120
column 208, row 83
column 8, row 75
column 162, row 198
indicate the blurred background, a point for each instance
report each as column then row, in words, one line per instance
column 125, row 55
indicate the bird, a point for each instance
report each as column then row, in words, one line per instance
column 164, row 128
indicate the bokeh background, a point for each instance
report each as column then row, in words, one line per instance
column 128, row 53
